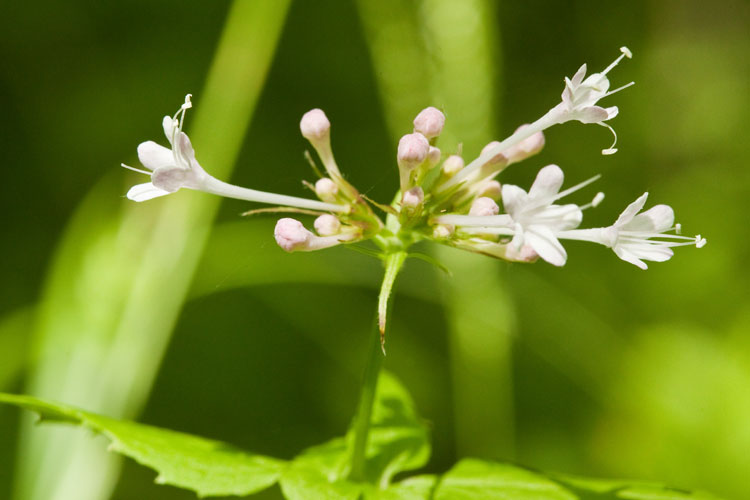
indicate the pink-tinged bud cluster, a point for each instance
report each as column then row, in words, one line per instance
column 429, row 122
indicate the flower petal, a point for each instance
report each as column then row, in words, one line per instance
column 592, row 114
column 154, row 155
column 544, row 243
column 562, row 217
column 167, row 124
column 632, row 209
column 143, row 192
column 656, row 253
column 548, row 182
column 170, row 179
column 578, row 77
column 658, row 219
column 514, row 198
column 628, row 256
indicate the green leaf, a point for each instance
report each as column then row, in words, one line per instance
column 210, row 468
column 479, row 480
column 398, row 441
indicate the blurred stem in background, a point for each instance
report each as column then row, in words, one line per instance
column 122, row 274
column 442, row 53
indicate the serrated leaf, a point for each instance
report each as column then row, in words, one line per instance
column 480, row 480
column 210, row 468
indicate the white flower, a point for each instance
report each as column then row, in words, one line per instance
column 636, row 237
column 580, row 98
column 172, row 168
column 532, row 218
column 175, row 168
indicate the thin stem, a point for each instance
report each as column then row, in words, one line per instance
column 393, row 264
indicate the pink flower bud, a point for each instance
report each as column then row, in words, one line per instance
column 527, row 147
column 315, row 125
column 291, row 235
column 490, row 189
column 429, row 122
column 499, row 157
column 413, row 198
column 326, row 189
column 483, row 207
column 327, row 225
column 433, row 156
column 412, row 150
column 452, row 165
column 443, row 231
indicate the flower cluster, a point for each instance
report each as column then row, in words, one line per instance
column 441, row 197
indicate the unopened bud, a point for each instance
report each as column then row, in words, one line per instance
column 498, row 157
column 412, row 198
column 326, row 189
column 429, row 122
column 483, row 207
column 452, row 165
column 526, row 148
column 433, row 156
column 315, row 125
column 490, row 189
column 291, row 235
column 443, row 231
column 327, row 225
column 412, row 151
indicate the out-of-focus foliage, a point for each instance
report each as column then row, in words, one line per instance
column 615, row 372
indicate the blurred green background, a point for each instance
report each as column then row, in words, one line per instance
column 597, row 368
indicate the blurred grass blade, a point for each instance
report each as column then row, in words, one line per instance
column 481, row 318
column 122, row 273
column 443, row 54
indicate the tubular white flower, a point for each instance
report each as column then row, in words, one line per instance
column 175, row 168
column 579, row 99
column 636, row 237
column 532, row 218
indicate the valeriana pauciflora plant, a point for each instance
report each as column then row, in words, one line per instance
column 442, row 199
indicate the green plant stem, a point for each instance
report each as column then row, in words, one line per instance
column 393, row 264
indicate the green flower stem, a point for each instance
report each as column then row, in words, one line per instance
column 393, row 263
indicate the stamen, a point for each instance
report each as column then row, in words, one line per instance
column 577, row 187
column 612, row 149
column 678, row 228
column 699, row 242
column 625, row 53
column 135, row 169
column 618, row 89
column 188, row 104
column 595, row 202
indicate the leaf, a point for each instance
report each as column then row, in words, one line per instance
column 398, row 441
column 479, row 480
column 210, row 468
